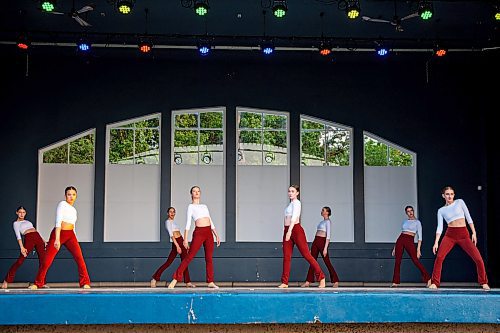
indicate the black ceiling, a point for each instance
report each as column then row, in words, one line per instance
column 467, row 25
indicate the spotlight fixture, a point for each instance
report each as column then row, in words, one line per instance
column 23, row 42
column 353, row 9
column 279, row 8
column 48, row 5
column 497, row 13
column 440, row 51
column 201, row 7
column 125, row 6
column 382, row 51
column 204, row 48
column 325, row 48
column 145, row 45
column 267, row 47
column 83, row 45
column 425, row 10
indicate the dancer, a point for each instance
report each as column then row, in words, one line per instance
column 455, row 213
column 32, row 239
column 203, row 233
column 409, row 228
column 320, row 245
column 293, row 234
column 177, row 247
column 64, row 234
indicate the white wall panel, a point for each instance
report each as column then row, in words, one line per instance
column 328, row 186
column 132, row 206
column 52, row 180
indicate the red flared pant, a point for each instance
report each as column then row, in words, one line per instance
column 298, row 238
column 32, row 240
column 460, row 236
column 405, row 242
column 68, row 239
column 317, row 248
column 171, row 258
column 201, row 236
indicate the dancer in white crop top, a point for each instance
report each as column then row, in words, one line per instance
column 32, row 240
column 203, row 234
column 64, row 234
column 177, row 248
column 409, row 228
column 293, row 234
column 320, row 246
column 455, row 213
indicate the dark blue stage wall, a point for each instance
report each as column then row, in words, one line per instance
column 436, row 108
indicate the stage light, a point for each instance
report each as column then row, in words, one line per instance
column 279, row 8
column 204, row 48
column 125, row 6
column 83, row 45
column 48, row 5
column 23, row 42
column 201, row 7
column 425, row 10
column 325, row 49
column 353, row 9
column 382, row 51
column 497, row 12
column 440, row 52
column 145, row 45
column 267, row 47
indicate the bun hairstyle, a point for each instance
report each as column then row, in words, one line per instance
column 69, row 188
column 328, row 209
column 192, row 188
column 406, row 208
column 447, row 188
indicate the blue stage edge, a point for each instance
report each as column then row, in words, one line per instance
column 248, row 306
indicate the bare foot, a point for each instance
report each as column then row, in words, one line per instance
column 4, row 285
column 433, row 286
column 190, row 285
column 283, row 285
column 46, row 286
column 322, row 283
column 485, row 286
column 394, row 285
column 305, row 285
column 335, row 285
column 33, row 287
column 86, row 286
column 152, row 283
column 429, row 282
column 172, row 284
column 212, row 285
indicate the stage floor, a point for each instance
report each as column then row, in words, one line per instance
column 203, row 305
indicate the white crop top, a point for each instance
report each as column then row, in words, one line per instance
column 324, row 226
column 65, row 212
column 20, row 227
column 293, row 209
column 412, row 226
column 171, row 226
column 450, row 213
column 195, row 212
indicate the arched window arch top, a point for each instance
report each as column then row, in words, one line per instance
column 134, row 141
column 324, row 143
column 78, row 149
column 380, row 152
